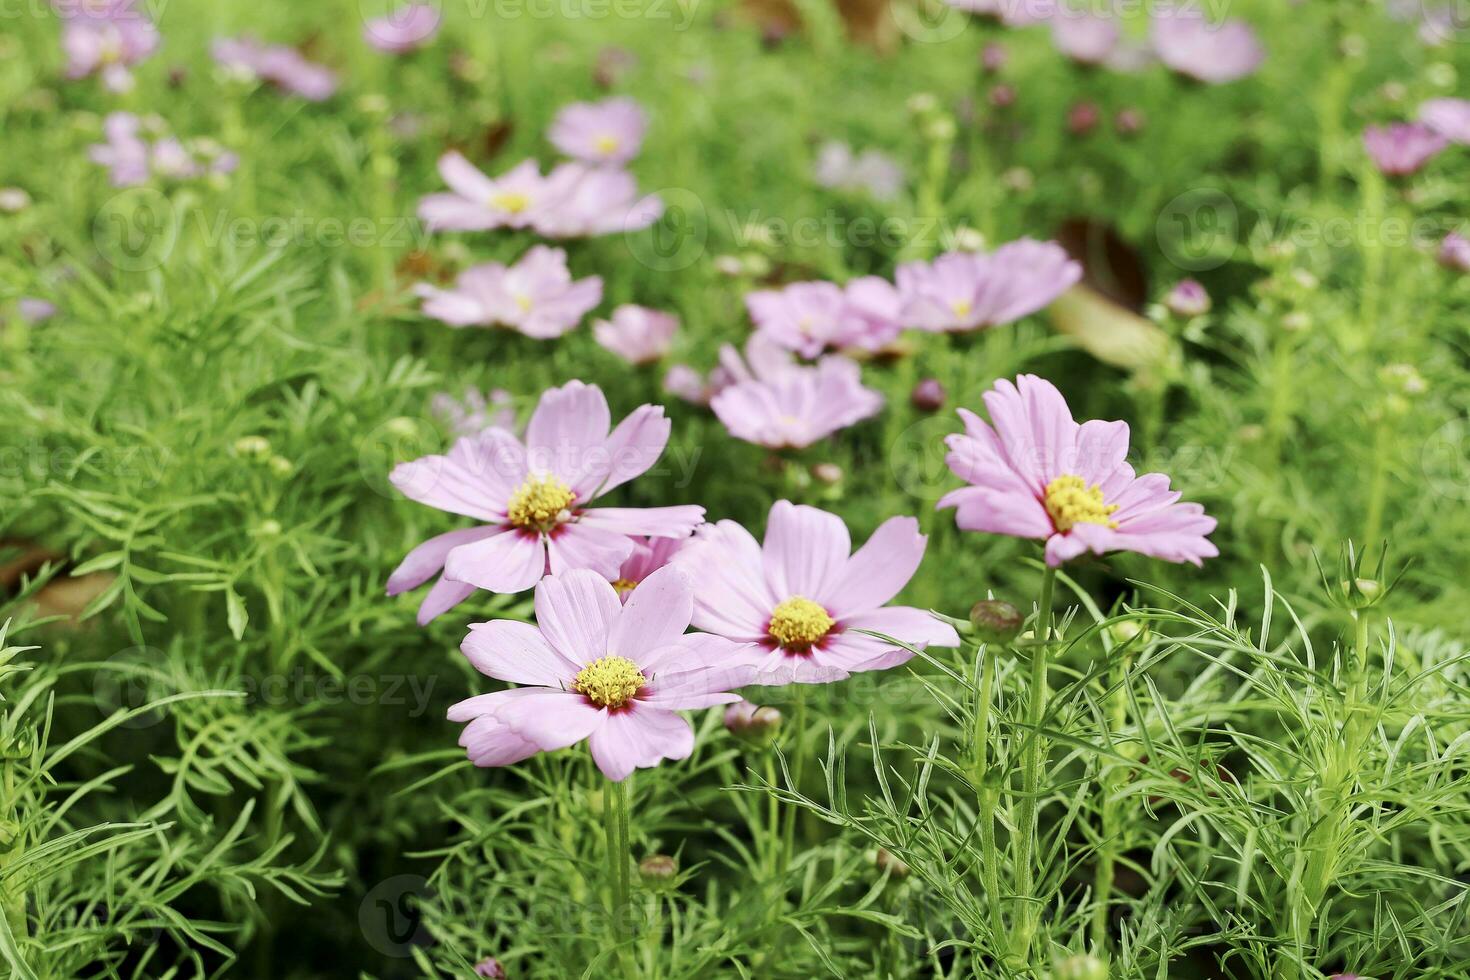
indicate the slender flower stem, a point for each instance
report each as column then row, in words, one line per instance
column 798, row 770
column 619, row 861
column 986, row 787
column 1107, row 854
column 1026, row 829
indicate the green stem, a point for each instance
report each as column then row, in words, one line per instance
column 989, row 853
column 13, row 896
column 1378, row 483
column 798, row 770
column 773, row 817
column 619, row 861
column 1026, row 828
column 1107, row 856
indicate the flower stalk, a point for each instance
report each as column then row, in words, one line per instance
column 1031, row 769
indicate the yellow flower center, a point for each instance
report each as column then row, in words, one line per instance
column 1069, row 501
column 610, row 682
column 624, row 586
column 539, row 503
column 607, row 145
column 798, row 623
column 513, row 201
column 961, row 307
column 524, row 302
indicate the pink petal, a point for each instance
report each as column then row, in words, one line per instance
column 731, row 597
column 444, row 596
column 634, row 446
column 656, row 614
column 464, row 179
column 805, row 550
column 880, row 569
column 576, row 611
column 678, row 521
column 475, row 478
column 552, row 719
column 639, row 738
column 583, row 544
column 516, row 652
column 427, row 559
column 700, row 675
column 567, row 430
column 506, row 563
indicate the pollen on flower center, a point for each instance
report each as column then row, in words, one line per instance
column 624, row 585
column 513, row 201
column 799, row 623
column 1069, row 501
column 539, row 503
column 607, row 145
column 610, row 682
column 524, row 302
column 961, row 307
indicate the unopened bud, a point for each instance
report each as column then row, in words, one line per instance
column 1083, row 966
column 658, row 869
column 928, row 395
column 895, row 867
column 752, row 723
column 995, row 621
column 828, row 473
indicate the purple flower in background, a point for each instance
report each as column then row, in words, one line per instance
column 476, row 202
column 637, row 334
column 536, row 296
column 606, row 132
column 473, row 413
column 870, row 172
column 1188, row 298
column 584, row 201
column 124, row 152
column 406, row 29
column 106, row 37
column 798, row 406
column 805, row 317
column 490, row 967
column 1454, row 252
column 33, row 309
column 1214, row 53
column 1400, row 149
column 1086, row 38
column 280, row 65
column 962, row 291
column 686, row 384
column 1449, row 118
column 874, row 315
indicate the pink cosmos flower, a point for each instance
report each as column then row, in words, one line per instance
column 479, row 203
column 490, row 967
column 961, row 291
column 534, row 497
column 596, row 669
column 806, row 317
column 687, row 384
column 1454, row 252
column 1213, row 53
column 874, row 317
column 606, row 132
column 637, row 334
column 124, row 152
column 406, row 29
column 649, row 555
column 282, row 66
column 801, row 596
column 1400, row 149
column 870, row 172
column 585, row 201
column 33, row 309
column 473, row 413
column 1086, row 38
column 106, row 37
column 537, row 296
column 1038, row 474
column 1449, row 118
column 797, row 407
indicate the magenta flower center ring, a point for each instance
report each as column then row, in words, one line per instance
column 610, row 682
column 798, row 623
column 1069, row 501
column 540, row 504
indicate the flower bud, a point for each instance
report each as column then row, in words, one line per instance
column 1082, row 118
column 828, row 473
column 13, row 200
column 490, row 967
column 922, row 103
column 257, row 447
column 1129, row 121
column 895, row 867
column 1083, row 966
column 1188, row 299
column 995, row 621
column 993, row 57
column 928, row 395
column 1002, row 96
column 657, row 870
column 752, row 723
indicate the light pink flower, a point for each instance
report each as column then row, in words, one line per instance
column 763, row 360
column 1086, row 38
column 1400, row 149
column 479, row 203
column 125, row 153
column 874, row 316
column 106, row 37
column 536, row 296
column 961, row 291
column 33, row 309
column 1454, row 252
column 606, row 132
column 596, row 669
column 490, row 967
column 1038, row 474
column 802, row 596
column 1449, row 118
column 805, row 317
column 1214, row 53
column 649, row 555
column 687, row 384
column 534, row 498
column 870, row 172
column 799, row 406
column 473, row 413
column 637, row 334
column 585, row 201
column 1188, row 298
column 282, row 66
column 405, row 29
